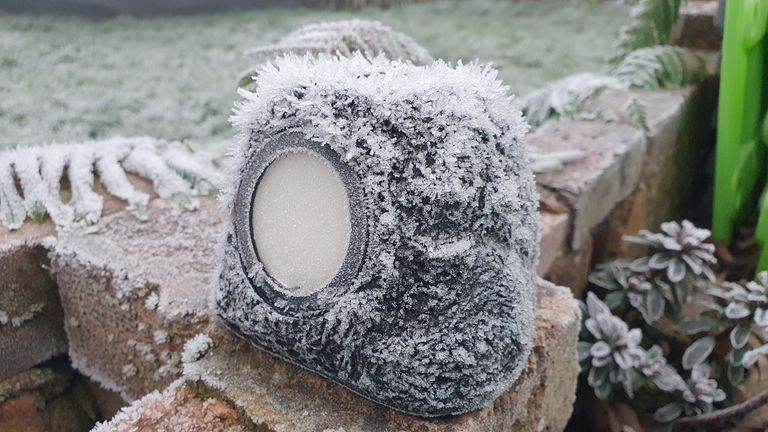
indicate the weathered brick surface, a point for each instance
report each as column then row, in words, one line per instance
column 49, row 398
column 277, row 396
column 109, row 402
column 177, row 409
column 31, row 319
column 134, row 291
column 592, row 185
column 571, row 267
column 554, row 230
column 696, row 28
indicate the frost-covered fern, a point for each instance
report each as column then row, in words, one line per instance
column 33, row 180
column 651, row 23
column 344, row 38
column 637, row 115
column 358, row 4
column 660, row 67
column 568, row 98
column 651, row 68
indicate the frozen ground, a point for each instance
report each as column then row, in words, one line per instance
column 65, row 79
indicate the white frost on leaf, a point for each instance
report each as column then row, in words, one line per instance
column 33, row 180
column 569, row 98
column 196, row 348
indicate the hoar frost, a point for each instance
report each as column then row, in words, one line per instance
column 196, row 348
column 345, row 38
column 42, row 171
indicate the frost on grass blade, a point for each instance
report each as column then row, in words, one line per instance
column 32, row 179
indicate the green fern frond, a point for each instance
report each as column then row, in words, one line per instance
column 651, row 23
column 637, row 115
column 660, row 67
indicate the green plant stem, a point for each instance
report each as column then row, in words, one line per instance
column 725, row 413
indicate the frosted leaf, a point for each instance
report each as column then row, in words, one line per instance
column 53, row 162
column 40, row 170
column 35, row 194
column 196, row 348
column 740, row 335
column 86, row 203
column 341, row 38
column 203, row 176
column 668, row 412
column 736, row 311
column 116, row 182
column 751, row 356
column 698, row 352
column 146, row 162
column 568, row 98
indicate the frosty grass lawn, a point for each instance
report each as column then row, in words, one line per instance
column 65, row 79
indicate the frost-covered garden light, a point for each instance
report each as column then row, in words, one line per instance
column 383, row 229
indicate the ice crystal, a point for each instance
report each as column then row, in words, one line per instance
column 45, row 173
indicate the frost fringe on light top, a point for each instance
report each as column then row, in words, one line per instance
column 439, row 318
column 369, row 38
column 42, row 173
